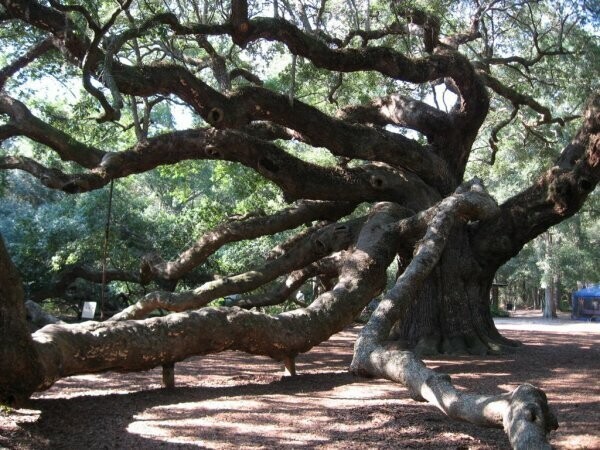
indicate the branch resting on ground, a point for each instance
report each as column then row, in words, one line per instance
column 524, row 413
column 62, row 350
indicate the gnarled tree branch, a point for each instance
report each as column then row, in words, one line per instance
column 255, row 226
column 31, row 55
column 524, row 413
column 312, row 247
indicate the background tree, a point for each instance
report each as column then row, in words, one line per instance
column 366, row 131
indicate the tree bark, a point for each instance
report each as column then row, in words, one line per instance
column 35, row 362
column 20, row 373
column 441, row 299
column 451, row 313
column 524, row 413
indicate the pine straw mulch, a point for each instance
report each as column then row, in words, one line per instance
column 234, row 400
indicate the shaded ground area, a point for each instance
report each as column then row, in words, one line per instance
column 233, row 400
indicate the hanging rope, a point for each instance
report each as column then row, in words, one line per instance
column 292, row 90
column 105, row 249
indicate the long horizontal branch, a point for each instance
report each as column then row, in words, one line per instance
column 443, row 63
column 148, row 80
column 23, row 122
column 93, row 347
column 297, row 178
column 237, row 230
column 315, row 128
column 54, row 178
column 341, row 138
column 281, row 292
column 525, row 62
column 312, row 126
column 402, row 111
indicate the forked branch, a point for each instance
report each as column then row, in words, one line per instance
column 329, row 239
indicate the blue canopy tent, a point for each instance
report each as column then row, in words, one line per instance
column 586, row 303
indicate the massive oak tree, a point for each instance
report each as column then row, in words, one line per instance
column 398, row 191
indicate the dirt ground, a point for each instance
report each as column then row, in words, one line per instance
column 233, row 400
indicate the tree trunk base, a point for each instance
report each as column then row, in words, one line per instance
column 434, row 344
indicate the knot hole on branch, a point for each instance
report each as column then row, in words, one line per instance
column 320, row 245
column 212, row 151
column 377, row 182
column 530, row 412
column 215, row 116
column 268, row 165
column 585, row 185
column 340, row 229
column 72, row 187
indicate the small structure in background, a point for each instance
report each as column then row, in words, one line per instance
column 89, row 310
column 586, row 303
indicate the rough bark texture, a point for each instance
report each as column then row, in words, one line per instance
column 20, row 373
column 451, row 313
column 524, row 413
column 64, row 350
column 451, row 237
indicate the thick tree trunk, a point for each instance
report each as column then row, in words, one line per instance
column 524, row 413
column 19, row 369
column 451, row 312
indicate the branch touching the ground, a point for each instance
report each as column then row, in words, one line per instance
column 64, row 350
column 524, row 413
